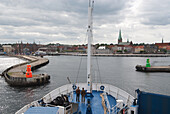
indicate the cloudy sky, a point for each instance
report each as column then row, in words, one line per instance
column 65, row 21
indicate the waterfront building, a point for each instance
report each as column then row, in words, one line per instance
column 60, row 48
column 82, row 49
column 1, row 50
column 7, row 48
column 163, row 47
column 49, row 50
column 122, row 47
column 120, row 40
column 103, row 50
column 138, row 49
column 150, row 48
column 113, row 48
column 168, row 49
column 26, row 49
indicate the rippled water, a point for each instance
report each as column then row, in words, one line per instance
column 118, row 71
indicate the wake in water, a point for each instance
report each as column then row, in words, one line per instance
column 160, row 63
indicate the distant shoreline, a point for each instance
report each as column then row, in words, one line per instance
column 106, row 55
column 118, row 55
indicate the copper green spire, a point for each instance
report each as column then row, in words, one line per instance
column 120, row 36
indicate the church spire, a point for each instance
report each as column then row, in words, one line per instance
column 120, row 37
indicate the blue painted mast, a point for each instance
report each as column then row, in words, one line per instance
column 90, row 35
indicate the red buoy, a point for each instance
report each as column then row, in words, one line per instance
column 28, row 72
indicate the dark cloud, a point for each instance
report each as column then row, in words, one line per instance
column 155, row 12
column 66, row 20
column 33, row 12
column 15, row 21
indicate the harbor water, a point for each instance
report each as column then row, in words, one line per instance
column 118, row 71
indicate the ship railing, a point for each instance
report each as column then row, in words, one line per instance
column 106, row 101
column 67, row 89
column 26, row 107
column 116, row 92
column 111, row 90
column 117, row 108
column 119, row 94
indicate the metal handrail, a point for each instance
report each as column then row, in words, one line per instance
column 115, row 110
column 107, row 101
column 112, row 90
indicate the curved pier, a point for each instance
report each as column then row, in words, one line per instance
column 15, row 75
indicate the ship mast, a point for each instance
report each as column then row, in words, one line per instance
column 90, row 35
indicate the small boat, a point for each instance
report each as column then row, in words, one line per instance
column 100, row 98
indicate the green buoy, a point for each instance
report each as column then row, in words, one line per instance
column 148, row 63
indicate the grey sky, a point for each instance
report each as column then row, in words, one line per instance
column 65, row 21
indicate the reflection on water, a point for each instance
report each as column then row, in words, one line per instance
column 118, row 71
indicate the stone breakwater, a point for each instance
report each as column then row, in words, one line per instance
column 15, row 75
column 153, row 68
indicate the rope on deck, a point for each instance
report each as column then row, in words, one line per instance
column 103, row 103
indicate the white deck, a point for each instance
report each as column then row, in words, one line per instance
column 67, row 89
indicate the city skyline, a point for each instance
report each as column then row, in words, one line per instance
column 65, row 21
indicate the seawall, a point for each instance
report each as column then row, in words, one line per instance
column 15, row 75
column 153, row 68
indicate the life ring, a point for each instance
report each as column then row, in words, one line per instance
column 102, row 87
column 74, row 87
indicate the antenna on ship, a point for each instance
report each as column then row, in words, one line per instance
column 90, row 35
